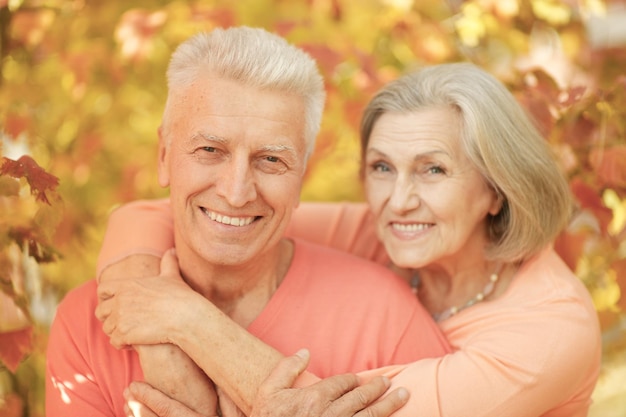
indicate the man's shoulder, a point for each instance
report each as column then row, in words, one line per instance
column 347, row 269
column 337, row 258
column 80, row 301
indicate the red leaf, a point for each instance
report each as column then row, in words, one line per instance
column 38, row 179
column 579, row 130
column 13, row 404
column 570, row 246
column 573, row 96
column 14, row 346
column 589, row 198
column 539, row 109
column 609, row 165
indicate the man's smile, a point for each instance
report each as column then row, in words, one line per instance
column 229, row 220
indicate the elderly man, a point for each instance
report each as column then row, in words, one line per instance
column 242, row 113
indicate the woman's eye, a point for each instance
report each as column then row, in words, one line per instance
column 435, row 170
column 380, row 167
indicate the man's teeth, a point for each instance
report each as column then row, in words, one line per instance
column 233, row 221
column 413, row 227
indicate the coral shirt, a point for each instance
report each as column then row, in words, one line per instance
column 350, row 313
column 534, row 351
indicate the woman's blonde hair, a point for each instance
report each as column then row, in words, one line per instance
column 502, row 143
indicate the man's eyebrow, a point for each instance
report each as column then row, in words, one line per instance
column 275, row 148
column 207, row 136
column 279, row 148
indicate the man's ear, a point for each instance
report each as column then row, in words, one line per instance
column 163, row 167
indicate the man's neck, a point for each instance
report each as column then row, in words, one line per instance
column 242, row 291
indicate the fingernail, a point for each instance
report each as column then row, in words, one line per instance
column 386, row 381
column 303, row 353
column 403, row 393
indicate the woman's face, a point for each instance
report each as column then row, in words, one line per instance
column 430, row 202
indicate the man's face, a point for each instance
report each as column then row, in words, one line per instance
column 234, row 159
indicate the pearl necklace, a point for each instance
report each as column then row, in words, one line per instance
column 449, row 312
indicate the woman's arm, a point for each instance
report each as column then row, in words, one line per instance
column 145, row 228
column 166, row 367
column 276, row 398
column 166, row 312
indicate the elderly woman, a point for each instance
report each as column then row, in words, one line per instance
column 466, row 200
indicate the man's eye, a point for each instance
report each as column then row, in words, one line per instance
column 208, row 148
column 272, row 159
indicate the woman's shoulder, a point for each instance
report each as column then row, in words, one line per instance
column 545, row 279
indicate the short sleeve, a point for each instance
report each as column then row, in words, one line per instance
column 140, row 227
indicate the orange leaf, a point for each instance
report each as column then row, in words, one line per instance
column 609, row 165
column 326, row 57
column 38, row 179
column 16, row 124
column 14, row 346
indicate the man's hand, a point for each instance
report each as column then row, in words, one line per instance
column 337, row 396
column 142, row 400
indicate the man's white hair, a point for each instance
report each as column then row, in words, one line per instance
column 255, row 58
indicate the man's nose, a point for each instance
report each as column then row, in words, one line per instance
column 237, row 183
column 404, row 196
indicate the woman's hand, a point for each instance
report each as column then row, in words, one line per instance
column 139, row 311
column 142, row 400
column 337, row 396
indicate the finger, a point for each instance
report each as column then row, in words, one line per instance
column 286, row 372
column 357, row 398
column 169, row 263
column 105, row 290
column 334, row 389
column 133, row 408
column 159, row 403
column 391, row 403
column 103, row 310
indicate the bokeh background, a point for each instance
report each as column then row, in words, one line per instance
column 82, row 89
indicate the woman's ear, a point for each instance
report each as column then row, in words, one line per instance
column 497, row 203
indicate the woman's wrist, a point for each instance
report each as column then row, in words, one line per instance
column 193, row 323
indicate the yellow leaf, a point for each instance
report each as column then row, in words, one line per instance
column 552, row 11
column 596, row 7
column 612, row 201
column 607, row 293
column 470, row 26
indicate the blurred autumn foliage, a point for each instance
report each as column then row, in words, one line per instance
column 83, row 86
